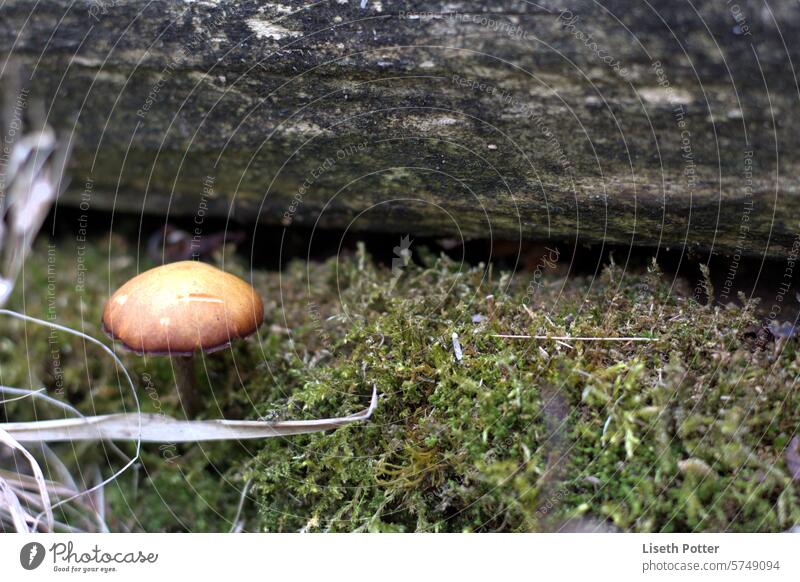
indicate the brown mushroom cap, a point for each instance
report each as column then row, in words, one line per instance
column 180, row 307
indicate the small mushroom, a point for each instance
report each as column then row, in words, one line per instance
column 179, row 308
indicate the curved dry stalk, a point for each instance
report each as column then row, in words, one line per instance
column 41, row 394
column 126, row 374
column 157, row 428
column 21, row 397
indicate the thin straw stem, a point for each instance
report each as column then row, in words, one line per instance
column 582, row 339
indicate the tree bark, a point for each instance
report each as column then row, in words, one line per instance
column 665, row 123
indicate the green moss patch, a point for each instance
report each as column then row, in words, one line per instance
column 686, row 433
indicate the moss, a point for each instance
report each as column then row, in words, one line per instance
column 682, row 434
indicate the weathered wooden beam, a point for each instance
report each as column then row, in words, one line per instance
column 664, row 123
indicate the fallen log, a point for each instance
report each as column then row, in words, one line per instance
column 663, row 123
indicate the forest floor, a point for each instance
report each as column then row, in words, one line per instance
column 691, row 431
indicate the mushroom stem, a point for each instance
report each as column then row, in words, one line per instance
column 186, row 383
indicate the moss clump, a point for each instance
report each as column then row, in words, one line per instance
column 686, row 433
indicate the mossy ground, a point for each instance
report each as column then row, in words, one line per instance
column 686, row 433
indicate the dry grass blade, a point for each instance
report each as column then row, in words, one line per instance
column 156, row 428
column 48, row 509
column 85, row 337
column 41, row 394
column 30, row 181
column 85, row 513
column 238, row 523
column 57, row 466
column 98, row 502
column 10, row 441
column 27, row 394
column 10, row 505
column 20, row 482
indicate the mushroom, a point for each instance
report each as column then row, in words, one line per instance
column 178, row 309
